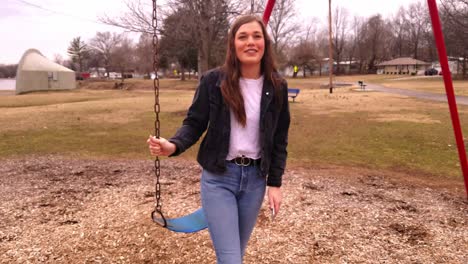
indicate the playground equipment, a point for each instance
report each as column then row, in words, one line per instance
column 195, row 221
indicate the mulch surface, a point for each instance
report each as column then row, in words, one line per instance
column 62, row 210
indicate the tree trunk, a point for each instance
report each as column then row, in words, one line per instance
column 107, row 66
column 203, row 49
column 416, row 46
column 464, row 67
column 371, row 64
column 80, row 63
column 338, row 60
column 182, row 75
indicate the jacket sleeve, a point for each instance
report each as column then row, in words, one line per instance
column 280, row 142
column 196, row 121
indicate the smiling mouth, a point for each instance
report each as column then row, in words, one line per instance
column 250, row 51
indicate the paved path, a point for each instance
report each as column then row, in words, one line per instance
column 461, row 100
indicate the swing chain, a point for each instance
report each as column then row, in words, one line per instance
column 157, row 166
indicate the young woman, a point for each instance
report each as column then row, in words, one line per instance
column 244, row 108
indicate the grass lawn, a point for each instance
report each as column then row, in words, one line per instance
column 367, row 129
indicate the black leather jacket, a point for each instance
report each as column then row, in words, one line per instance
column 208, row 110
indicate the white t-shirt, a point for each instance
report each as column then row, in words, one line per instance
column 246, row 140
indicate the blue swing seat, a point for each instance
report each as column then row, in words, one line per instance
column 191, row 223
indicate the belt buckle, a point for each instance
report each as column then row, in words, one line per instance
column 242, row 161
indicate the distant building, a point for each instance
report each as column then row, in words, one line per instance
column 346, row 67
column 402, row 66
column 98, row 72
column 455, row 64
column 37, row 73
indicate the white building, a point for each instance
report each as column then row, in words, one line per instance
column 402, row 66
column 37, row 73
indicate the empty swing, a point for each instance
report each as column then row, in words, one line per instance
column 195, row 221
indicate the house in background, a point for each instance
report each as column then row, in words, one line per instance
column 37, row 73
column 346, row 67
column 402, row 66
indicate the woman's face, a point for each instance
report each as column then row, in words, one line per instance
column 250, row 44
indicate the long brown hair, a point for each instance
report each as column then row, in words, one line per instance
column 230, row 85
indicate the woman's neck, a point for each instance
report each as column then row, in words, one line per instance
column 250, row 71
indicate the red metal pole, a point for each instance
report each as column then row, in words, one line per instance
column 439, row 38
column 268, row 9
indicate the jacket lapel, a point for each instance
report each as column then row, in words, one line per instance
column 267, row 96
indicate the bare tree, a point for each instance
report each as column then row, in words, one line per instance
column 181, row 44
column 355, row 40
column 8, row 70
column 305, row 52
column 373, row 42
column 58, row 58
column 104, row 44
column 340, row 30
column 400, row 33
column 455, row 22
column 429, row 49
column 208, row 19
column 144, row 55
column 123, row 57
column 78, row 51
column 418, row 24
column 303, row 55
column 283, row 25
column 137, row 18
column 95, row 60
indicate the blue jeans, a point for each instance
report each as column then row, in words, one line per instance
column 231, row 202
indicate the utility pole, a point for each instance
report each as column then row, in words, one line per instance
column 330, row 45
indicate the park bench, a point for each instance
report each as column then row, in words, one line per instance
column 293, row 92
column 363, row 86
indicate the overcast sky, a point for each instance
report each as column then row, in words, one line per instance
column 50, row 25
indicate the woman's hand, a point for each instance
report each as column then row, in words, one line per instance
column 274, row 198
column 160, row 147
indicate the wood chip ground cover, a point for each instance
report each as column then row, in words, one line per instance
column 62, row 210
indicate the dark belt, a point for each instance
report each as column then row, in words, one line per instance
column 244, row 161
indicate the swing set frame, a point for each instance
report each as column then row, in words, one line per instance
column 196, row 221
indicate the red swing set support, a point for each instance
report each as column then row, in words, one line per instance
column 439, row 38
column 267, row 12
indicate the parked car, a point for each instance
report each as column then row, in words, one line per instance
column 440, row 73
column 430, row 71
